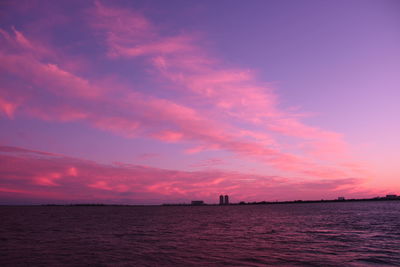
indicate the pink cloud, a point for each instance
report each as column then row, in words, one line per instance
column 167, row 46
column 72, row 171
column 8, row 108
column 213, row 104
column 138, row 114
column 169, row 136
column 211, row 162
column 48, row 75
column 129, row 33
column 48, row 179
column 146, row 156
column 91, row 181
column 233, row 92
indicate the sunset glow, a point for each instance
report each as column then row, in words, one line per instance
column 149, row 102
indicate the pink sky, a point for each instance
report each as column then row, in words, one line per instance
column 164, row 102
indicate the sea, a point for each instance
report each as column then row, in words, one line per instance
column 303, row 234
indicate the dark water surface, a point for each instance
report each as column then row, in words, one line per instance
column 321, row 234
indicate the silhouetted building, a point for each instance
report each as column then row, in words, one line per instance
column 221, row 200
column 226, row 200
column 391, row 196
column 340, row 198
column 197, row 202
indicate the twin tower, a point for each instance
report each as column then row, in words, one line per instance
column 224, row 200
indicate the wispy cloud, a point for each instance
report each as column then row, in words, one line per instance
column 233, row 92
column 72, row 179
column 146, row 156
column 210, row 106
column 211, row 162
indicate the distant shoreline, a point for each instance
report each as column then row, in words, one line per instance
column 292, row 202
column 205, row 204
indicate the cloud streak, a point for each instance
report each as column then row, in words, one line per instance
column 198, row 101
column 53, row 177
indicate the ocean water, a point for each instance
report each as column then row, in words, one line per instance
column 319, row 234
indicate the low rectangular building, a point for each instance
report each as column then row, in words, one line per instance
column 197, row 202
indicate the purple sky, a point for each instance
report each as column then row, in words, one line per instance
column 146, row 102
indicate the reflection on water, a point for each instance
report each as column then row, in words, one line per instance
column 320, row 234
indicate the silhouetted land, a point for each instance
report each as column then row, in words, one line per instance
column 318, row 201
column 387, row 198
column 300, row 201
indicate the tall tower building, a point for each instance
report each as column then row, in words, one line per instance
column 226, row 200
column 221, row 200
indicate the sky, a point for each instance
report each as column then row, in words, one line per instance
column 150, row 102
